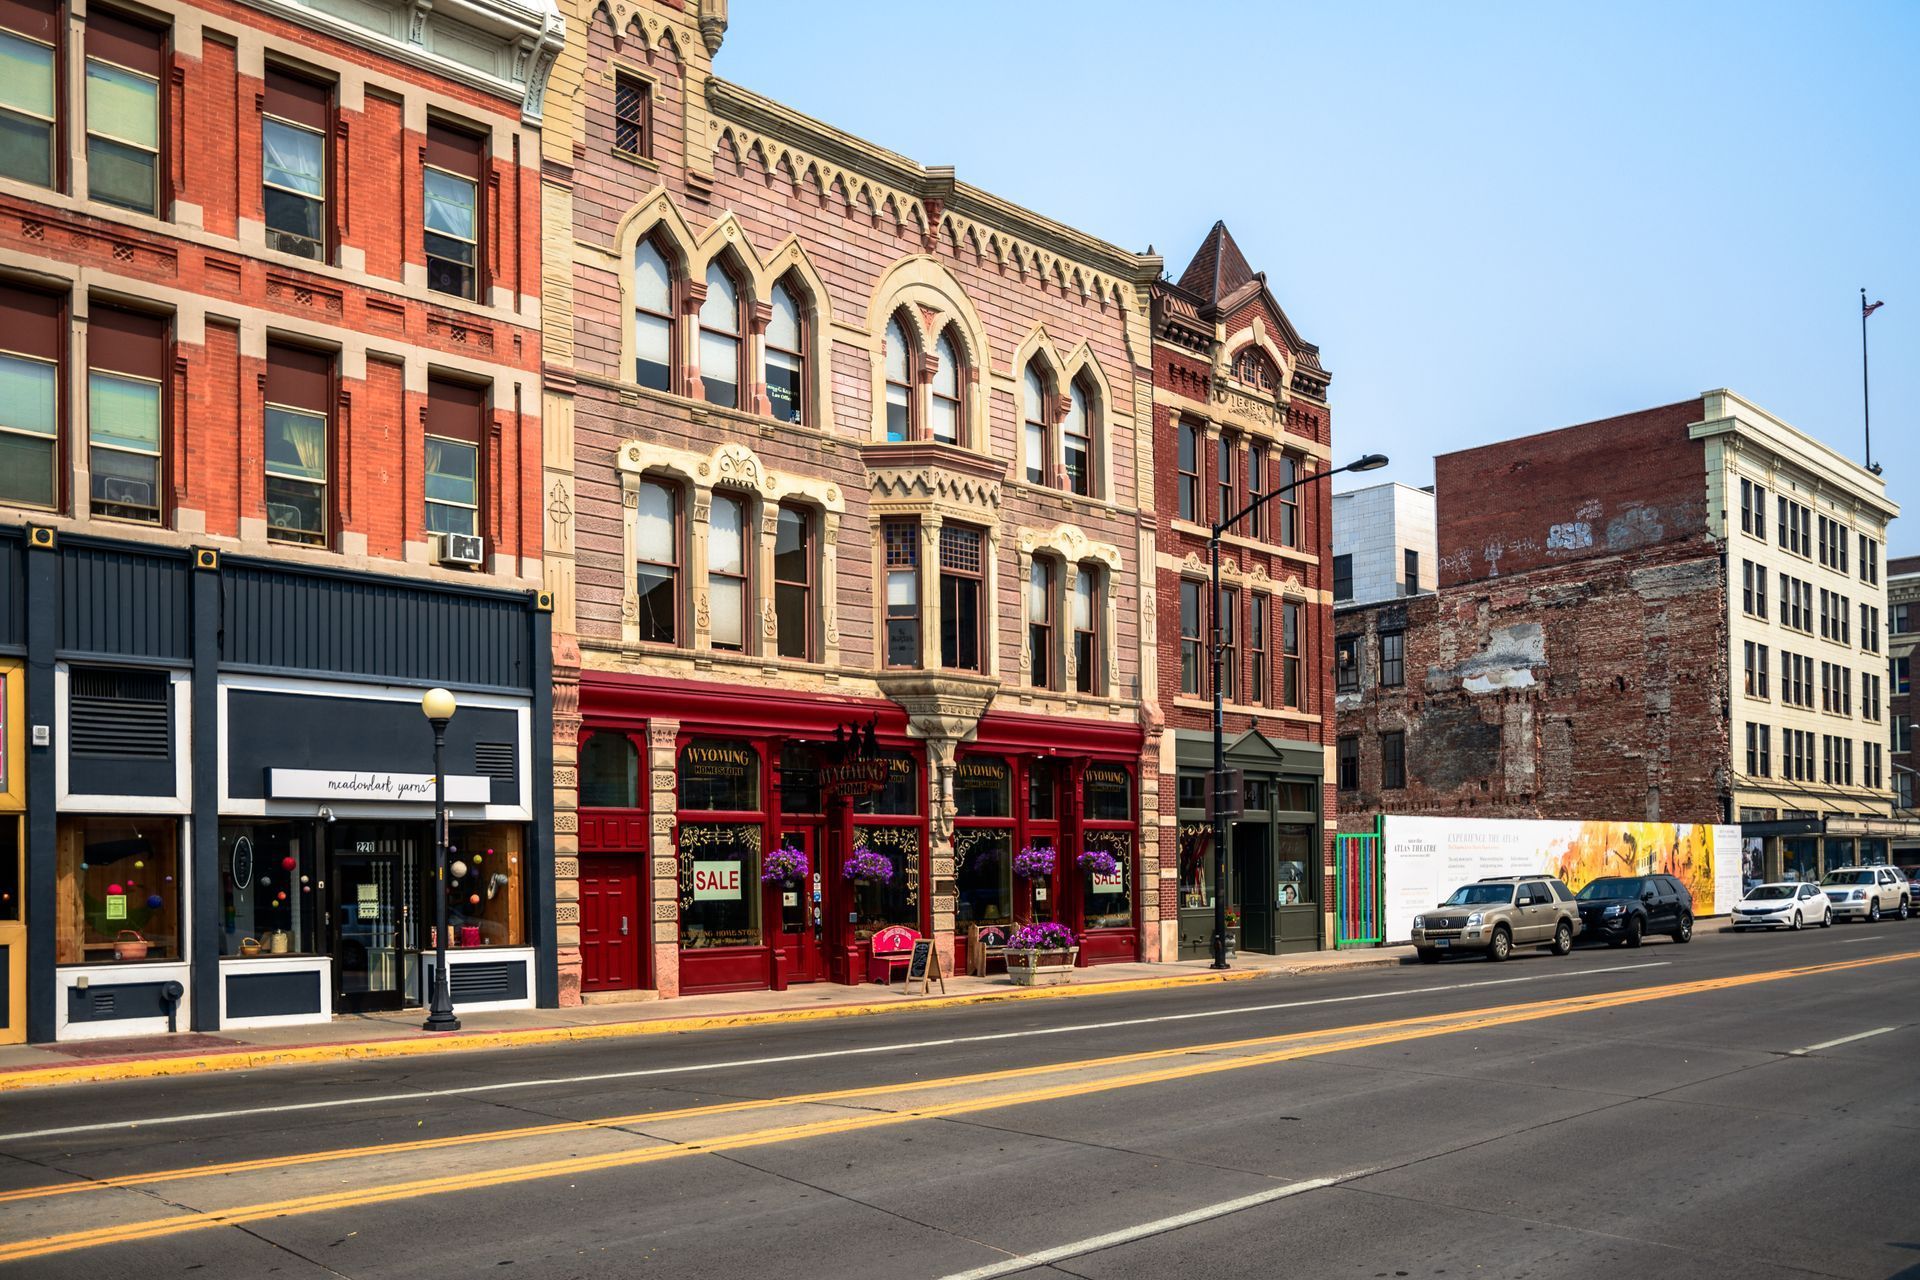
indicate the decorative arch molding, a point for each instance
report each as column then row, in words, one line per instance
column 732, row 465
column 1255, row 335
column 917, row 284
column 1068, row 542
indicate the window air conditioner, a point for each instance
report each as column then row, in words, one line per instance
column 468, row 550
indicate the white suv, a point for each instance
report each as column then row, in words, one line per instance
column 1867, row 893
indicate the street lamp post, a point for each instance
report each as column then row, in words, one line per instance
column 439, row 706
column 1366, row 462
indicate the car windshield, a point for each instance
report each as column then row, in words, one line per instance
column 1479, row 895
column 1611, row 887
column 1771, row 892
column 1847, row 877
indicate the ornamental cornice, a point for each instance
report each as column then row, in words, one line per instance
column 730, row 465
column 1070, row 543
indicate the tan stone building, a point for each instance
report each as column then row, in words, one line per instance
column 848, row 494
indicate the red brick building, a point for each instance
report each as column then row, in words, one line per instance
column 1240, row 409
column 269, row 329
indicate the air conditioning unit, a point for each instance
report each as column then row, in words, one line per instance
column 468, row 550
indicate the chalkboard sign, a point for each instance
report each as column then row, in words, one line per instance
column 924, row 966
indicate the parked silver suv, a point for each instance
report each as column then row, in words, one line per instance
column 1867, row 893
column 1498, row 914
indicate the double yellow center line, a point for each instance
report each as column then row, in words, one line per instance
column 1239, row 1055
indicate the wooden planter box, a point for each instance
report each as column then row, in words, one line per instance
column 1041, row 968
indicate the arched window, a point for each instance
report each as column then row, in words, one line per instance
column 652, row 317
column 944, row 402
column 793, row 582
column 787, row 357
column 609, row 771
column 1039, row 423
column 899, row 358
column 1076, row 440
column 1252, row 367
column 727, row 562
column 656, row 556
column 720, row 339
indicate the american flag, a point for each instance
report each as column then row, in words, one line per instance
column 1868, row 308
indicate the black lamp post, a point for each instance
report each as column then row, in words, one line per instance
column 1221, row 794
column 439, row 706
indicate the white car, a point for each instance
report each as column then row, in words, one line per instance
column 1783, row 906
column 1867, row 893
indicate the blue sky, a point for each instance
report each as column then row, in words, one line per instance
column 1494, row 219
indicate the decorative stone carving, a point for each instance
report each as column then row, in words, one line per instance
column 566, row 823
column 663, row 781
column 566, row 868
column 566, row 913
column 1070, row 543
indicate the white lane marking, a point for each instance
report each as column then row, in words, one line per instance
column 414, row 1095
column 1861, row 937
column 1834, row 1044
column 1126, row 1235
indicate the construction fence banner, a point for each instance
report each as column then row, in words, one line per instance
column 1426, row 859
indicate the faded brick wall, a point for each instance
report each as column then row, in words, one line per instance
column 1588, row 690
column 1599, row 489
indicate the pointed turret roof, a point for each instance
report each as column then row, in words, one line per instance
column 1218, row 267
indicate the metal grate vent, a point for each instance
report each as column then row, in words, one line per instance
column 103, row 1004
column 122, row 714
column 495, row 760
column 473, row 983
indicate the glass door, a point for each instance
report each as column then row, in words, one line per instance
column 800, row 910
column 372, row 913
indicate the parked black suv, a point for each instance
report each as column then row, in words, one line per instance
column 1625, row 909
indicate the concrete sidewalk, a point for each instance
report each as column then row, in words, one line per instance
column 398, row 1034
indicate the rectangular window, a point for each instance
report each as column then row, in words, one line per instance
column 455, row 454
column 1289, row 500
column 902, row 538
column 125, row 67
column 793, row 583
column 1870, row 628
column 1757, row 764
column 1756, row 670
column 656, row 555
column 1256, row 485
column 32, row 341
column 1257, row 651
column 1291, row 665
column 1343, row 577
column 1410, row 581
column 293, row 163
column 1346, row 664
column 126, row 413
column 116, row 878
column 1347, row 762
column 1076, row 442
column 1040, row 622
column 1869, row 559
column 29, row 90
column 1192, row 646
column 1393, row 761
column 1869, row 696
column 1753, row 509
column 1087, row 608
column 1393, row 655
column 1189, row 472
column 1229, row 607
column 1902, row 677
column 456, row 162
column 632, row 115
column 1223, row 456
column 728, row 556
column 299, row 444
column 962, row 579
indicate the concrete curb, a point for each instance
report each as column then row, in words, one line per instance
column 247, row 1058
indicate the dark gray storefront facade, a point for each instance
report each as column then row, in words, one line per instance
column 228, row 794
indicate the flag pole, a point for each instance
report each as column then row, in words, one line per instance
column 1866, row 399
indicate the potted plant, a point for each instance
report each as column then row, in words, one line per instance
column 1034, row 862
column 1041, row 955
column 864, row 866
column 1098, row 862
column 1233, row 931
column 785, row 866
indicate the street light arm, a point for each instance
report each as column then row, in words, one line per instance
column 1367, row 462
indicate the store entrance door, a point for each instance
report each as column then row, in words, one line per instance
column 1253, row 885
column 800, row 912
column 371, row 909
column 612, row 929
column 13, row 934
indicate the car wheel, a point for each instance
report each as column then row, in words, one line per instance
column 1873, row 912
column 1633, row 932
column 1502, row 945
column 1826, row 919
column 1796, row 922
column 1427, row 955
column 1906, row 908
column 1685, row 932
column 1563, row 939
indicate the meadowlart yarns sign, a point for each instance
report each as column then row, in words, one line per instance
column 1425, row 859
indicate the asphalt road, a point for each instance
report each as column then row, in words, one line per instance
column 1740, row 1106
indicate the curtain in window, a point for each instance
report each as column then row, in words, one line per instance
column 297, row 444
column 449, row 207
column 294, row 158
column 451, row 467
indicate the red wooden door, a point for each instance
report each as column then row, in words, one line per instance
column 612, row 928
column 796, row 915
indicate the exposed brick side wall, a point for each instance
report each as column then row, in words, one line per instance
column 1599, row 489
column 1588, row 690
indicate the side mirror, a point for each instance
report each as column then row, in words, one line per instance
column 1647, row 896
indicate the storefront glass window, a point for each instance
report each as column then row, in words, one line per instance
column 983, row 788
column 1196, row 865
column 897, row 901
column 1107, row 793
column 609, row 771
column 800, row 778
column 1801, row 859
column 1109, row 901
column 272, row 897
column 719, row 884
column 1043, row 790
column 117, row 886
column 10, row 887
column 720, row 774
column 901, row 794
column 982, row 864
column 486, row 893
column 1293, row 866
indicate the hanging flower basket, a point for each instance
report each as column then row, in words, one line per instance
column 864, row 866
column 1041, row 955
column 785, row 866
column 1034, row 863
column 1098, row 862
